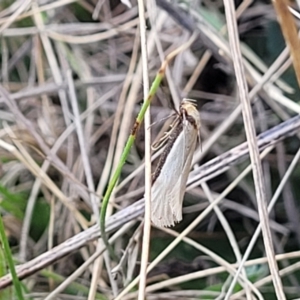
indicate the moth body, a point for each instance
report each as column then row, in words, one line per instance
column 171, row 174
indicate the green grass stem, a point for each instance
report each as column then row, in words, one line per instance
column 157, row 80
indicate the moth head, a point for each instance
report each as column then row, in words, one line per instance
column 188, row 111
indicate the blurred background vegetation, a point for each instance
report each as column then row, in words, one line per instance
column 49, row 46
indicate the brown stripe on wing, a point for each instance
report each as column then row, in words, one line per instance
column 191, row 120
column 173, row 136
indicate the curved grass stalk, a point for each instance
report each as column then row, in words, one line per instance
column 159, row 76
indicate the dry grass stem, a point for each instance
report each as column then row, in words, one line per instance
column 147, row 222
column 253, row 148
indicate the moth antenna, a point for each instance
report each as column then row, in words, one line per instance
column 163, row 119
column 158, row 144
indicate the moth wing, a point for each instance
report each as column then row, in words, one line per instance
column 177, row 194
column 169, row 188
column 163, row 188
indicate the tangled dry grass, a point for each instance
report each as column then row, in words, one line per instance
column 71, row 86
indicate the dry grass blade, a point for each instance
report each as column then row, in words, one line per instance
column 15, row 15
column 147, row 222
column 289, row 30
column 253, row 147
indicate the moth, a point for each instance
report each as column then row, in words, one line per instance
column 171, row 174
